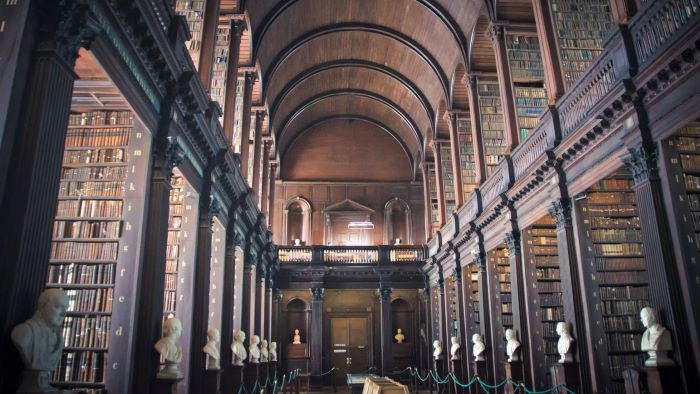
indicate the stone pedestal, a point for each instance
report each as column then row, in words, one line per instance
column 439, row 367
column 566, row 374
column 211, row 383
column 458, row 370
column 166, row 385
column 481, row 370
column 514, row 371
column 250, row 375
column 272, row 371
column 236, row 377
column 262, row 374
column 664, row 380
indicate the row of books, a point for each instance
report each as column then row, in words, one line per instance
column 549, row 287
column 552, row 313
column 612, row 198
column 619, row 264
column 613, row 183
column 545, row 250
column 174, row 235
column 89, row 300
column 624, row 342
column 620, row 307
column 169, row 301
column 171, row 281
column 86, row 229
column 692, row 182
column 694, row 201
column 547, row 273
column 553, row 299
column 634, row 249
column 622, row 277
column 172, row 251
column 602, row 221
column 89, row 208
column 616, row 235
column 91, row 189
column 623, row 323
column 116, row 136
column 86, row 331
column 549, row 239
column 102, row 172
column 84, row 250
column 549, row 329
column 624, row 292
column 83, row 274
column 94, row 156
column 618, row 363
column 612, row 210
column 101, row 118
column 80, row 366
column 545, row 261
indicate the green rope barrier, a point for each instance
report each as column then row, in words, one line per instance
column 417, row 374
column 495, row 386
column 325, row 373
column 460, row 384
column 437, row 378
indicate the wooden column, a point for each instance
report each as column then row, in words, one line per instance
column 477, row 139
column 386, row 337
column 426, row 199
column 268, row 309
column 260, row 301
column 234, row 49
column 572, row 290
column 265, row 177
column 439, row 184
column 275, row 320
column 233, row 240
column 257, row 152
column 551, row 61
column 271, row 195
column 245, row 121
column 456, row 161
column 623, row 10
column 521, row 324
column 315, row 336
column 424, row 347
column 29, row 204
column 488, row 307
column 210, row 24
column 659, row 255
column 248, row 302
column 459, row 308
column 505, row 87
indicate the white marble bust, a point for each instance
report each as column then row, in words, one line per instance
column 512, row 346
column 656, row 339
column 454, row 349
column 273, row 351
column 170, row 349
column 264, row 352
column 399, row 336
column 253, row 350
column 39, row 340
column 437, row 350
column 564, row 343
column 478, row 348
column 297, row 338
column 212, row 348
column 238, row 349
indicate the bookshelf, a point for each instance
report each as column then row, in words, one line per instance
column 491, row 123
column 466, row 155
column 216, row 274
column 618, row 271
column 193, row 11
column 220, row 67
column 546, row 306
column 436, row 312
column 172, row 254
column 91, row 234
column 237, row 116
column 473, row 305
column 434, row 207
column 448, row 179
column 452, row 319
column 251, row 151
column 581, row 27
column 527, row 73
column 688, row 145
column 502, row 308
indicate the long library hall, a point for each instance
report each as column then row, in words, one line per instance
column 350, row 196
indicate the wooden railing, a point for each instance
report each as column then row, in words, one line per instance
column 534, row 146
column 496, row 184
column 349, row 255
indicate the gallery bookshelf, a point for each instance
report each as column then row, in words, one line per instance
column 502, row 305
column 617, row 278
column 687, row 143
column 492, row 131
column 545, row 302
column 238, row 115
column 448, row 179
column 94, row 244
column 193, row 11
column 466, row 155
column 580, row 27
column 451, row 302
column 527, row 74
column 434, row 207
column 216, row 274
column 220, row 66
column 172, row 254
column 436, row 313
column 473, row 304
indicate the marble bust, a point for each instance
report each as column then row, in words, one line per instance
column 478, row 348
column 253, row 350
column 297, row 338
column 564, row 343
column 454, row 349
column 170, row 349
column 512, row 346
column 264, row 352
column 212, row 348
column 238, row 349
column 656, row 339
column 399, row 336
column 273, row 351
column 437, row 350
column 39, row 341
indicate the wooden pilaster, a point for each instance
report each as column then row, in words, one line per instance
column 257, row 153
column 210, row 24
column 315, row 336
column 456, row 162
column 271, row 195
column 551, row 61
column 245, row 121
column 248, row 304
column 439, row 184
column 623, row 10
column 233, row 240
column 477, row 139
column 505, row 87
column 386, row 337
column 426, row 199
column 234, row 49
column 486, row 285
column 264, row 203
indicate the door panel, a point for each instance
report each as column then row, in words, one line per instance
column 349, row 346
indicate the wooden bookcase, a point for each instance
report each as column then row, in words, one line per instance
column 581, row 27
column 472, row 307
column 237, row 116
column 172, row 254
column 452, row 318
column 448, row 179
column 502, row 299
column 492, row 131
column 467, row 157
column 544, row 297
column 216, row 275
column 436, row 317
column 434, row 207
column 193, row 11
column 220, row 66
column 527, row 74
column 100, row 203
column 615, row 274
column 688, row 145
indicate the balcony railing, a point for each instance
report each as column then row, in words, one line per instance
column 350, row 255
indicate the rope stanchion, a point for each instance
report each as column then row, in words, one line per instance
column 325, row 373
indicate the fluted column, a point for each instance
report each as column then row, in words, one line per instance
column 234, row 49
column 257, row 160
column 477, row 138
column 260, row 301
column 426, row 200
column 488, row 308
column 210, row 24
column 316, row 334
column 505, row 87
column 456, row 160
column 245, row 121
column 248, row 302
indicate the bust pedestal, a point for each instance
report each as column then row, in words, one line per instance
column 212, row 381
column 514, row 370
column 481, row 370
column 166, row 385
column 237, row 376
column 439, row 366
column 262, row 373
column 566, row 374
column 272, row 371
column 250, row 375
column 458, row 370
column 664, row 379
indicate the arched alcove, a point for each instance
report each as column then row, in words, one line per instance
column 397, row 221
column 297, row 220
column 402, row 318
column 297, row 318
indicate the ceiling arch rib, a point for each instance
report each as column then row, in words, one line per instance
column 352, row 63
column 340, row 92
column 352, row 105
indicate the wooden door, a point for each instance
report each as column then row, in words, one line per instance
column 349, row 346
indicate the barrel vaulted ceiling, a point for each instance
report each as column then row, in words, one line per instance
column 398, row 64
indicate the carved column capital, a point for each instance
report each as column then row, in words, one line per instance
column 480, row 261
column 385, row 294
column 561, row 210
column 317, row 293
column 260, row 116
column 174, row 156
column 250, row 78
column 512, row 240
column 642, row 163
column 495, row 31
column 74, row 29
column 237, row 27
